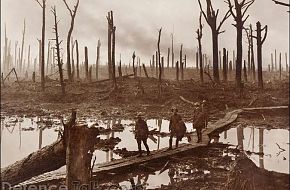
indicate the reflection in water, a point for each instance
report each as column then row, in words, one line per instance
column 240, row 136
column 261, row 148
column 141, row 182
column 265, row 153
column 22, row 136
column 159, row 123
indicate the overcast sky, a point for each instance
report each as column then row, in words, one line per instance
column 137, row 25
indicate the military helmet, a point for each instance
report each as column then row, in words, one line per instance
column 139, row 114
column 174, row 109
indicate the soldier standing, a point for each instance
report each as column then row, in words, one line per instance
column 177, row 128
column 141, row 134
column 200, row 120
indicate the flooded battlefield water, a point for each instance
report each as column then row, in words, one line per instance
column 267, row 148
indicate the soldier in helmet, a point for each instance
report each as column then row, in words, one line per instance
column 177, row 127
column 200, row 119
column 141, row 134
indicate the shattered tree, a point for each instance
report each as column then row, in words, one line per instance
column 42, row 64
column 199, row 54
column 240, row 19
column 211, row 18
column 72, row 13
column 260, row 41
column 57, row 47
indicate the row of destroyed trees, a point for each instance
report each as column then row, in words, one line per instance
column 238, row 10
column 70, row 73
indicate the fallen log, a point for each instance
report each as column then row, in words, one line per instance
column 47, row 159
column 105, row 80
column 187, row 101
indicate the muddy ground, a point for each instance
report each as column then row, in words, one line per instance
column 97, row 99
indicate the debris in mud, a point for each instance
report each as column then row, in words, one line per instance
column 107, row 144
column 124, row 153
column 27, row 128
column 118, row 127
column 104, row 131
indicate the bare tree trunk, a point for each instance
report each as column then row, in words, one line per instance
column 15, row 55
column 86, row 64
column 145, row 71
column 196, row 61
column 43, row 46
column 199, row 37
column 220, row 60
column 120, row 67
column 72, row 59
column 162, row 65
column 159, row 63
column 240, row 10
column 22, row 48
column 113, row 59
column 68, row 56
column 172, row 50
column 39, row 55
column 109, row 46
column 48, row 57
column 133, row 57
column 153, row 61
column 239, row 56
column 98, row 60
column 280, row 66
column 90, row 74
column 286, row 61
column 211, row 18
column 157, row 58
column 275, row 60
column 185, row 61
column 215, row 56
column 78, row 60
column 57, row 44
column 245, row 72
column 260, row 42
column 113, row 50
column 177, row 70
column 168, row 55
column 225, row 72
column 272, row 63
column 181, row 63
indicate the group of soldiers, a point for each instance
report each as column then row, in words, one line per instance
column 177, row 127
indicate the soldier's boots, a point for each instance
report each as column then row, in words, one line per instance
column 176, row 143
column 148, row 153
column 170, row 143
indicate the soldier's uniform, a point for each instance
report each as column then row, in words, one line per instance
column 141, row 134
column 200, row 120
column 177, row 128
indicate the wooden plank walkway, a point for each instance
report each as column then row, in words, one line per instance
column 124, row 163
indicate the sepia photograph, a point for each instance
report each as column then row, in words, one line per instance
column 145, row 94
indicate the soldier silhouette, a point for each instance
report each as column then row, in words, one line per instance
column 177, row 128
column 141, row 134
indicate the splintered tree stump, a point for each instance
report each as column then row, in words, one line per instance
column 80, row 142
column 74, row 149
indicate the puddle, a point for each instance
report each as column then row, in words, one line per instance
column 21, row 136
column 264, row 143
column 197, row 167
